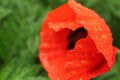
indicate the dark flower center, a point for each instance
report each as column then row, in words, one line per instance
column 74, row 36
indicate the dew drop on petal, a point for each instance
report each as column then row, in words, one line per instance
column 83, row 62
column 103, row 36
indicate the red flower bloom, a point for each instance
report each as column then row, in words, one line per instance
column 76, row 43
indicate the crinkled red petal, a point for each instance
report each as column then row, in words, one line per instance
column 91, row 56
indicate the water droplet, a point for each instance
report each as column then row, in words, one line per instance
column 96, row 29
column 73, row 72
column 83, row 62
column 103, row 36
column 99, row 28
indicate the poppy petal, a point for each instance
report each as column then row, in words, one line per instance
column 76, row 43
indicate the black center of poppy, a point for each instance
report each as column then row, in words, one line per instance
column 74, row 36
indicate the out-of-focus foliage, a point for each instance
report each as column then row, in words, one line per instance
column 20, row 22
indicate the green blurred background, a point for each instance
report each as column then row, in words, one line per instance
column 20, row 23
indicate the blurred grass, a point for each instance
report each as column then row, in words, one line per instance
column 20, row 22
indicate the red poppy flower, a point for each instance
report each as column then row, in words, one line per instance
column 76, row 43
